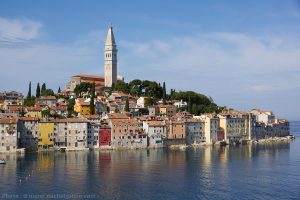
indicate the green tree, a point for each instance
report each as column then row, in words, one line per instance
column 43, row 90
column 149, row 102
column 70, row 108
column 38, row 91
column 82, row 88
column 59, row 90
column 46, row 113
column 92, row 101
column 190, row 105
column 48, row 92
column 121, row 86
column 127, row 105
column 164, row 93
column 29, row 91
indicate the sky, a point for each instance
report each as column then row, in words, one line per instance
column 244, row 54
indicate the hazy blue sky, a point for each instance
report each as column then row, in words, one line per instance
column 244, row 54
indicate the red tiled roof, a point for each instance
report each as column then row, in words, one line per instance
column 71, row 120
column 124, row 121
column 89, row 76
column 28, row 118
column 8, row 121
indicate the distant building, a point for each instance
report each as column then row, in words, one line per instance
column 156, row 131
column 93, row 135
column 8, row 135
column 84, row 78
column 12, row 95
column 125, row 134
column 46, row 134
column 48, row 100
column 195, row 132
column 28, row 128
column 140, row 103
column 70, row 133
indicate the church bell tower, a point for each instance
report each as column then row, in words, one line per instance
column 110, row 58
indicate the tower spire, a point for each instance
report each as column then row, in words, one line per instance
column 110, row 58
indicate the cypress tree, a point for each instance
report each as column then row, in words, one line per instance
column 164, row 93
column 92, row 103
column 127, row 105
column 29, row 91
column 58, row 90
column 38, row 91
column 43, row 90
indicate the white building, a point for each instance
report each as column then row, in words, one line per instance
column 140, row 103
column 180, row 104
column 211, row 127
column 156, row 131
column 195, row 132
column 70, row 133
column 110, row 58
column 263, row 116
column 93, row 135
column 8, row 135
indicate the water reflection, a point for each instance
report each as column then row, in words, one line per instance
column 157, row 173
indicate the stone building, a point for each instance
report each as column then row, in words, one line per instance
column 195, row 132
column 8, row 135
column 126, row 134
column 70, row 133
column 28, row 128
column 156, row 132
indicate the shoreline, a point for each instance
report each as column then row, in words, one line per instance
column 288, row 138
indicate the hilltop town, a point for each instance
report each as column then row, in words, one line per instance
column 105, row 112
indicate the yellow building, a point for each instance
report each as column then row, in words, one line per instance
column 34, row 112
column 167, row 110
column 82, row 106
column 46, row 134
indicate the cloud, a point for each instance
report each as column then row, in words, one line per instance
column 238, row 70
column 18, row 30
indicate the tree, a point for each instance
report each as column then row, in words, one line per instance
column 164, row 93
column 38, row 91
column 59, row 91
column 127, row 105
column 190, row 105
column 46, row 113
column 29, row 91
column 70, row 107
column 48, row 92
column 43, row 89
column 92, row 101
column 121, row 86
column 149, row 102
column 82, row 88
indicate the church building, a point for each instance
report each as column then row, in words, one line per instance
column 110, row 67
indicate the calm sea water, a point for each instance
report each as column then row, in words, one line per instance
column 246, row 172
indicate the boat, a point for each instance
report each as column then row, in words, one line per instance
column 2, row 161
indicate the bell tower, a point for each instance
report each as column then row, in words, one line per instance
column 110, row 58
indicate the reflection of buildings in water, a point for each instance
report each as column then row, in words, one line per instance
column 104, row 160
column 72, row 165
column 223, row 155
column 45, row 161
column 207, row 156
column 270, row 149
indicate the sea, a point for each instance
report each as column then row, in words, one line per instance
column 259, row 171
